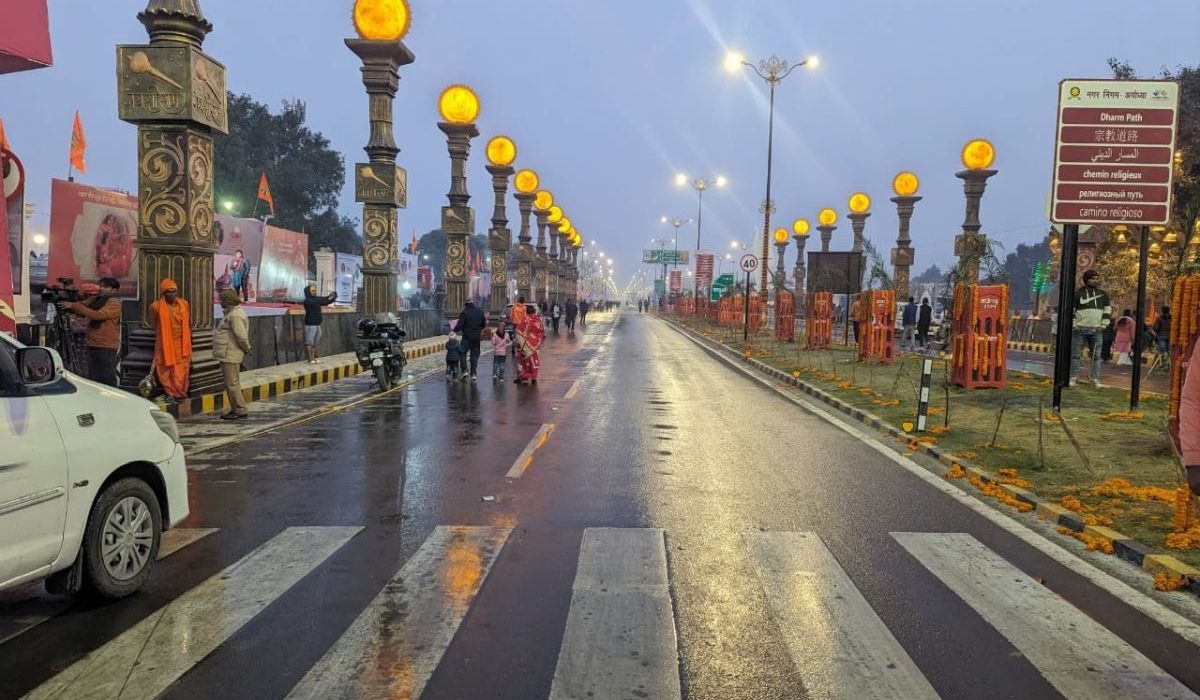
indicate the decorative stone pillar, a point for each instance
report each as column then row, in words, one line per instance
column 379, row 184
column 858, row 222
column 499, row 239
column 525, row 249
column 903, row 254
column 826, row 236
column 552, row 267
column 176, row 95
column 539, row 260
column 458, row 219
column 971, row 245
column 800, row 271
column 780, row 272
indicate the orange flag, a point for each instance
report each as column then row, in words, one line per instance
column 4, row 146
column 264, row 192
column 78, row 145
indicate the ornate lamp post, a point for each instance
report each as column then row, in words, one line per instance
column 772, row 70
column 380, row 185
column 175, row 94
column 701, row 185
column 860, row 206
column 905, row 186
column 542, row 201
column 970, row 246
column 501, row 152
column 539, row 259
column 800, row 234
column 827, row 220
column 459, row 107
column 526, row 183
column 781, row 241
column 554, row 217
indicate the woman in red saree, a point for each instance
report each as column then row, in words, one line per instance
column 530, row 334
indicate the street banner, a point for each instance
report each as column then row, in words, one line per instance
column 704, row 269
column 284, row 270
column 8, row 316
column 1114, row 151
column 93, row 233
column 676, row 281
column 424, row 277
column 349, row 277
column 24, row 35
column 13, row 209
column 233, row 236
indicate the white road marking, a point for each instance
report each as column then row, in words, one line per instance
column 574, row 389
column 839, row 645
column 1129, row 595
column 147, row 658
column 26, row 607
column 620, row 637
column 526, row 457
column 1076, row 654
column 393, row 647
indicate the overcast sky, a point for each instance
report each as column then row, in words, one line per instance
column 608, row 100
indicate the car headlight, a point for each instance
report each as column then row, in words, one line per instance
column 166, row 423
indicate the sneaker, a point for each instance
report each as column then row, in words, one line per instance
column 474, row 377
column 1072, row 382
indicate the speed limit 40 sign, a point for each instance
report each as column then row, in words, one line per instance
column 748, row 262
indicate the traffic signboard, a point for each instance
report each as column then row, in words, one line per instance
column 748, row 262
column 662, row 256
column 719, row 286
column 1114, row 151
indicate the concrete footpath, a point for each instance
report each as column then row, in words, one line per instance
column 269, row 382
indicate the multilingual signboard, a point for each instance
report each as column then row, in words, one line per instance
column 704, row 269
column 662, row 256
column 719, row 285
column 1114, row 151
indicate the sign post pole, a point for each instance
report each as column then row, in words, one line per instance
column 746, row 310
column 1135, row 385
column 1066, row 313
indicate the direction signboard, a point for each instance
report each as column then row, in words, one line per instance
column 719, row 286
column 1114, row 152
column 662, row 256
column 748, row 262
column 660, row 287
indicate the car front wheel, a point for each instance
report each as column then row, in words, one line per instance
column 122, row 539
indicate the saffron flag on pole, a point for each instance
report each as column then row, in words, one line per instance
column 78, row 145
column 264, row 193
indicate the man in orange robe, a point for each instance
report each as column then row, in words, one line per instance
column 170, row 317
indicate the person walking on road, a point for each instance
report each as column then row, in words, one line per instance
column 1189, row 419
column 312, row 319
column 909, row 322
column 517, row 313
column 555, row 314
column 501, row 342
column 171, row 319
column 103, row 339
column 471, row 323
column 231, row 344
column 454, row 357
column 572, row 313
column 1093, row 310
column 924, row 321
column 1162, row 330
column 529, row 345
column 584, row 307
column 855, row 315
column 1122, row 343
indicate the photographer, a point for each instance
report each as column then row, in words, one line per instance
column 103, row 339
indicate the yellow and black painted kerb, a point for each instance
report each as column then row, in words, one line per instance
column 1029, row 347
column 213, row 402
column 1125, row 547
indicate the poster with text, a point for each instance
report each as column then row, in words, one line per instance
column 238, row 256
column 284, row 268
column 92, row 235
column 349, row 277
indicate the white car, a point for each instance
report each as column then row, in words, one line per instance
column 90, row 476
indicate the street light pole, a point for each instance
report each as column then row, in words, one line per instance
column 700, row 184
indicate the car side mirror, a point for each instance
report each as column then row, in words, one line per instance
column 39, row 366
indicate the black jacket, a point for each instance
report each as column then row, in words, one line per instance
column 312, row 307
column 471, row 322
column 924, row 318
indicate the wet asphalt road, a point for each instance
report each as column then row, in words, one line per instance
column 656, row 433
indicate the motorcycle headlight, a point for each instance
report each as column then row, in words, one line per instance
column 166, row 423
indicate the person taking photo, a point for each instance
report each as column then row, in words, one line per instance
column 103, row 337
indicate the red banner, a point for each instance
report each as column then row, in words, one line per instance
column 284, row 270
column 92, row 235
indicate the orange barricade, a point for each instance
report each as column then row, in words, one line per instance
column 785, row 316
column 877, row 340
column 819, row 321
column 979, row 341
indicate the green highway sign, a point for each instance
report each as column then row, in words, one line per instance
column 719, row 286
column 660, row 287
column 662, row 256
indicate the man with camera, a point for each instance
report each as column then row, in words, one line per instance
column 103, row 337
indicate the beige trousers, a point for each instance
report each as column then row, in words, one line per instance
column 232, row 373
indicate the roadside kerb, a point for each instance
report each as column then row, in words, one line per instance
column 1134, row 551
column 267, row 382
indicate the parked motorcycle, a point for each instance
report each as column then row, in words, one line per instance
column 381, row 349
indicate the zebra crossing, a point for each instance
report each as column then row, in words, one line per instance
column 620, row 637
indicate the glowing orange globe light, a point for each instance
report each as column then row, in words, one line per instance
column 978, row 154
column 905, row 184
column 781, row 235
column 458, row 104
column 800, row 227
column 501, row 151
column 827, row 217
column 543, row 199
column 556, row 214
column 525, row 181
column 860, row 203
column 382, row 20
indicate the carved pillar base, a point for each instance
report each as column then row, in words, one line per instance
column 379, row 291
column 379, row 246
